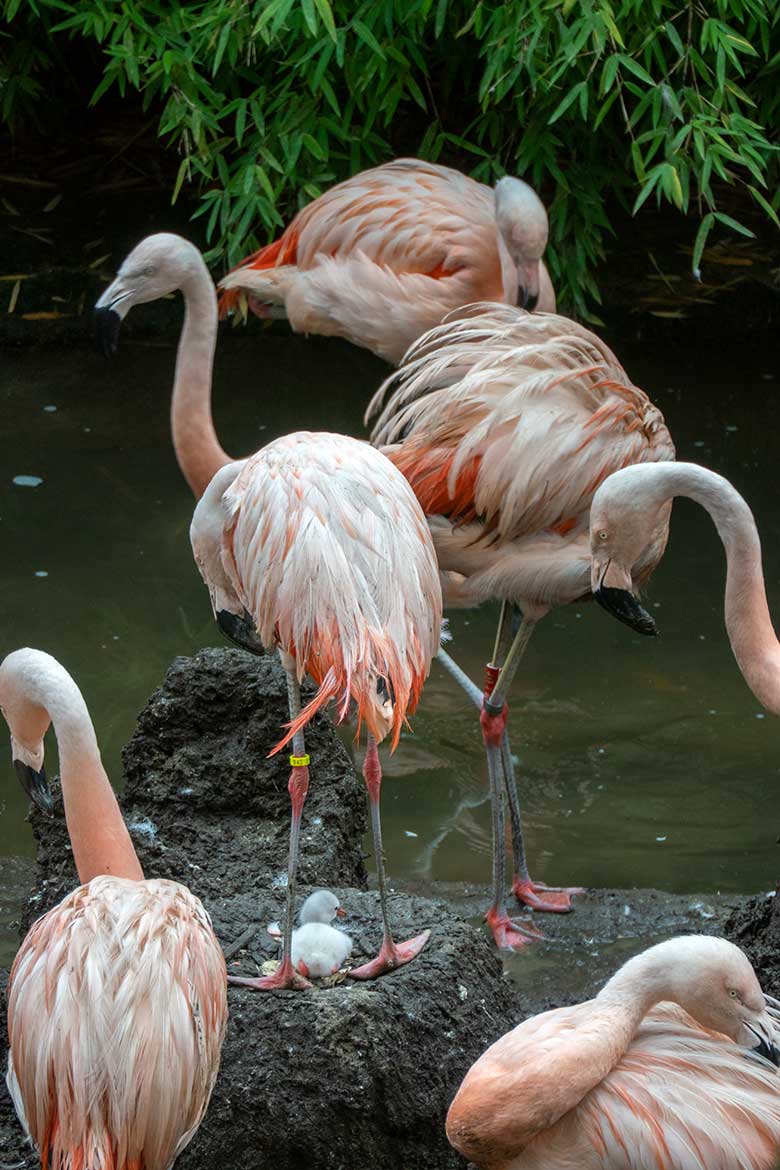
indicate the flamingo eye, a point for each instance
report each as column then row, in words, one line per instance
column 733, row 992
column 148, row 271
column 602, row 535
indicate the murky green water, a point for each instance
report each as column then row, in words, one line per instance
column 644, row 762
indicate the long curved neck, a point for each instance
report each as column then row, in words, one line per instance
column 195, row 442
column 747, row 616
column 98, row 834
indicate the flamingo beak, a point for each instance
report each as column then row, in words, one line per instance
column 528, row 286
column 240, row 630
column 613, row 590
column 35, row 785
column 765, row 1047
column 110, row 310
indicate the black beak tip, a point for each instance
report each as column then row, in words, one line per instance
column 625, row 607
column 36, row 786
column 107, row 325
column 527, row 300
column 240, row 631
column 769, row 1052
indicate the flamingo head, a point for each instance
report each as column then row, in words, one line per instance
column 321, row 906
column 28, row 723
column 628, row 532
column 156, row 267
column 522, row 223
column 715, row 983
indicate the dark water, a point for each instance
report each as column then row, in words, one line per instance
column 644, row 762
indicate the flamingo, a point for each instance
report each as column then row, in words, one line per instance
column 315, row 546
column 655, row 1072
column 625, row 512
column 505, row 423
column 385, row 255
column 117, row 998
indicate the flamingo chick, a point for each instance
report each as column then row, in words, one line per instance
column 117, row 998
column 318, row 949
column 655, row 1073
column 625, row 512
column 505, row 423
column 318, row 543
column 385, row 255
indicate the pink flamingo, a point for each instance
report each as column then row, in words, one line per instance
column 626, row 511
column 653, row 1072
column 384, row 256
column 315, row 545
column 117, row 998
column 505, row 423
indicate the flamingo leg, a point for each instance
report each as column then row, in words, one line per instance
column 298, row 785
column 507, row 654
column 391, row 954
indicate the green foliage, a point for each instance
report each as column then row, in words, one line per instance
column 268, row 102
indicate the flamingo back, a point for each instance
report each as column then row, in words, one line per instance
column 680, row 1098
column 513, row 419
column 117, row 1008
column 408, row 215
column 329, row 551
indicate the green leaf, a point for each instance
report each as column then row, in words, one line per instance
column 767, row 206
column 368, row 38
column 734, row 224
column 326, row 15
column 569, row 100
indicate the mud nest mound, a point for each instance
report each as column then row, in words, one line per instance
column 352, row 1074
column 756, row 928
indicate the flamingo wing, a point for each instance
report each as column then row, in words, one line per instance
column 117, row 1010
column 330, row 553
column 680, row 1098
column 513, row 419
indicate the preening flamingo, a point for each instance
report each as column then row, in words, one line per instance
column 652, row 1074
column 315, row 545
column 624, row 513
column 117, row 998
column 505, row 423
column 385, row 255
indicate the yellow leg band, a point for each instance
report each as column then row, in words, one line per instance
column 299, row 761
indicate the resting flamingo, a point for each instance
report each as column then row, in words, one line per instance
column 117, row 1002
column 505, row 423
column 653, row 1072
column 385, row 255
column 624, row 514
column 316, row 546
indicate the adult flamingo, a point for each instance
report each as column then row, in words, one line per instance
column 653, row 1072
column 624, row 514
column 315, row 545
column 505, row 423
column 117, row 1000
column 385, row 255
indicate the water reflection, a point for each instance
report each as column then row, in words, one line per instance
column 643, row 762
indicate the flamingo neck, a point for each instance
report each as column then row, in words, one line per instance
column 747, row 616
column 195, row 442
column 98, row 834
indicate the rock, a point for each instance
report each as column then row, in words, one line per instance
column 349, row 1075
column 202, row 800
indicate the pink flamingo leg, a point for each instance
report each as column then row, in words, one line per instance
column 286, row 977
column 508, row 933
column 391, row 954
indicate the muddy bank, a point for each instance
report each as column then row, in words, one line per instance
column 755, row 926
